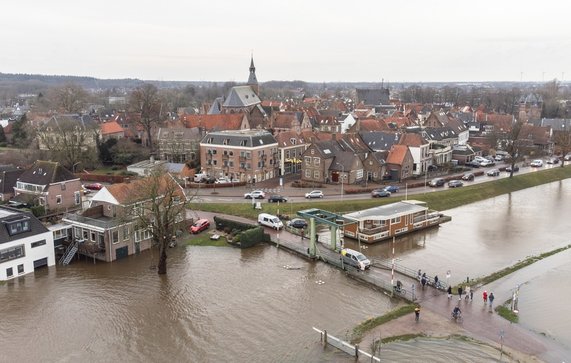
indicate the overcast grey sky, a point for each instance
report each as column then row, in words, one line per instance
column 333, row 40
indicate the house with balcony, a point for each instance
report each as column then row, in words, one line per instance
column 107, row 231
column 49, row 184
column 25, row 244
column 240, row 155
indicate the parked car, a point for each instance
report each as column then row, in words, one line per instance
column 486, row 162
column 436, row 182
column 297, row 223
column 498, row 157
column 93, row 186
column 255, row 194
column 223, row 180
column 493, row 172
column 536, row 163
column 391, row 188
column 509, row 168
column 553, row 160
column 473, row 164
column 567, row 157
column 271, row 221
column 277, row 198
column 380, row 193
column 314, row 194
column 455, row 184
column 199, row 226
column 468, row 176
column 355, row 259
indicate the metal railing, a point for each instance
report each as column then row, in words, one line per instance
column 403, row 270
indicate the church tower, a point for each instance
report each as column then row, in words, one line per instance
column 252, row 80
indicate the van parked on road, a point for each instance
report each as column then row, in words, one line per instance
column 269, row 220
column 355, row 259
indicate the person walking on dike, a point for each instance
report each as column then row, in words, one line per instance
column 459, row 293
column 468, row 292
column 471, row 295
column 436, row 281
column 419, row 274
column 491, row 297
column 449, row 292
column 417, row 313
column 485, row 297
column 423, row 282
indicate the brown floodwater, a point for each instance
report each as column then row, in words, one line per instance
column 224, row 304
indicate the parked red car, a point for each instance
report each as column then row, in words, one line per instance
column 199, row 226
column 93, row 186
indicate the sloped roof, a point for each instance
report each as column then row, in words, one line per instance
column 539, row 135
column 241, row 96
column 243, row 138
column 225, row 121
column 399, row 122
column 46, row 172
column 284, row 120
column 111, row 127
column 128, row 193
column 372, row 124
column 412, row 139
column 373, row 97
column 343, row 161
column 397, row 154
column 380, row 140
column 216, row 106
column 8, row 215
column 439, row 133
column 8, row 178
column 285, row 138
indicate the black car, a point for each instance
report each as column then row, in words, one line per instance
column 277, row 198
column 297, row 223
column 380, row 193
column 509, row 168
column 468, row 176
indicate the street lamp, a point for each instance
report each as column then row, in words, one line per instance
column 342, row 177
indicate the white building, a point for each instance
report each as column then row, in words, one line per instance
column 25, row 244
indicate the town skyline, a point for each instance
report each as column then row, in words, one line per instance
column 416, row 42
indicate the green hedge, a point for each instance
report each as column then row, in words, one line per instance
column 251, row 237
column 230, row 225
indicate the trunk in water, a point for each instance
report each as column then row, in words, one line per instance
column 162, row 265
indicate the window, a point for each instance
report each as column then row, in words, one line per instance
column 243, row 142
column 226, row 141
column 58, row 199
column 231, row 164
column 18, row 227
column 125, row 232
column 20, row 269
column 248, row 155
column 93, row 235
column 38, row 243
column 115, row 236
column 12, row 253
column 395, row 220
column 316, row 174
column 77, row 197
column 307, row 160
column 214, row 162
column 85, row 235
column 9, row 272
column 287, row 154
column 316, row 161
column 307, row 173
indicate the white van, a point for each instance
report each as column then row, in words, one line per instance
column 355, row 259
column 269, row 220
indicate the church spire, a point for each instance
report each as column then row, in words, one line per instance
column 252, row 79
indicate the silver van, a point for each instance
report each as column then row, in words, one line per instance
column 355, row 259
column 269, row 220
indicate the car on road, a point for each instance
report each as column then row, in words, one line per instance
column 297, row 223
column 567, row 157
column 493, row 172
column 553, row 160
column 509, row 168
column 255, row 194
column 437, row 182
column 199, row 226
column 223, row 180
column 468, row 176
column 473, row 164
column 314, row 194
column 487, row 162
column 380, row 193
column 277, row 198
column 391, row 188
column 93, row 186
column 536, row 163
column 455, row 184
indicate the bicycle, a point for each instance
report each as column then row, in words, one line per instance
column 399, row 290
column 457, row 317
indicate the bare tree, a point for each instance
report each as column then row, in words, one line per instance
column 147, row 101
column 514, row 145
column 157, row 205
column 70, row 98
column 563, row 143
column 70, row 141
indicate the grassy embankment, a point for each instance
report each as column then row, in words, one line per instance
column 203, row 239
column 369, row 324
column 443, row 200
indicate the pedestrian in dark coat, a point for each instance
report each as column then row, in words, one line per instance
column 449, row 292
column 423, row 281
column 491, row 298
column 459, row 292
column 436, row 281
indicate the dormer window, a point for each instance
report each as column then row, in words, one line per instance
column 209, row 141
column 17, row 227
column 226, row 141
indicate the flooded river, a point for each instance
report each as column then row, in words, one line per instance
column 225, row 304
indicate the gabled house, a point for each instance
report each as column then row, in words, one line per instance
column 64, row 131
column 289, row 121
column 111, row 130
column 49, row 184
column 419, row 149
column 442, row 141
column 107, row 231
column 399, row 163
column 25, row 244
column 291, row 146
column 374, row 165
column 8, row 177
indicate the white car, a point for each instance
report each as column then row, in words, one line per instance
column 255, row 194
column 536, row 163
column 314, row 194
column 223, row 180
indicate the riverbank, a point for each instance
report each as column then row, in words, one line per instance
column 441, row 200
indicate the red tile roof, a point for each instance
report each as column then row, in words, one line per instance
column 412, row 139
column 226, row 121
column 111, row 127
column 128, row 193
column 397, row 154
